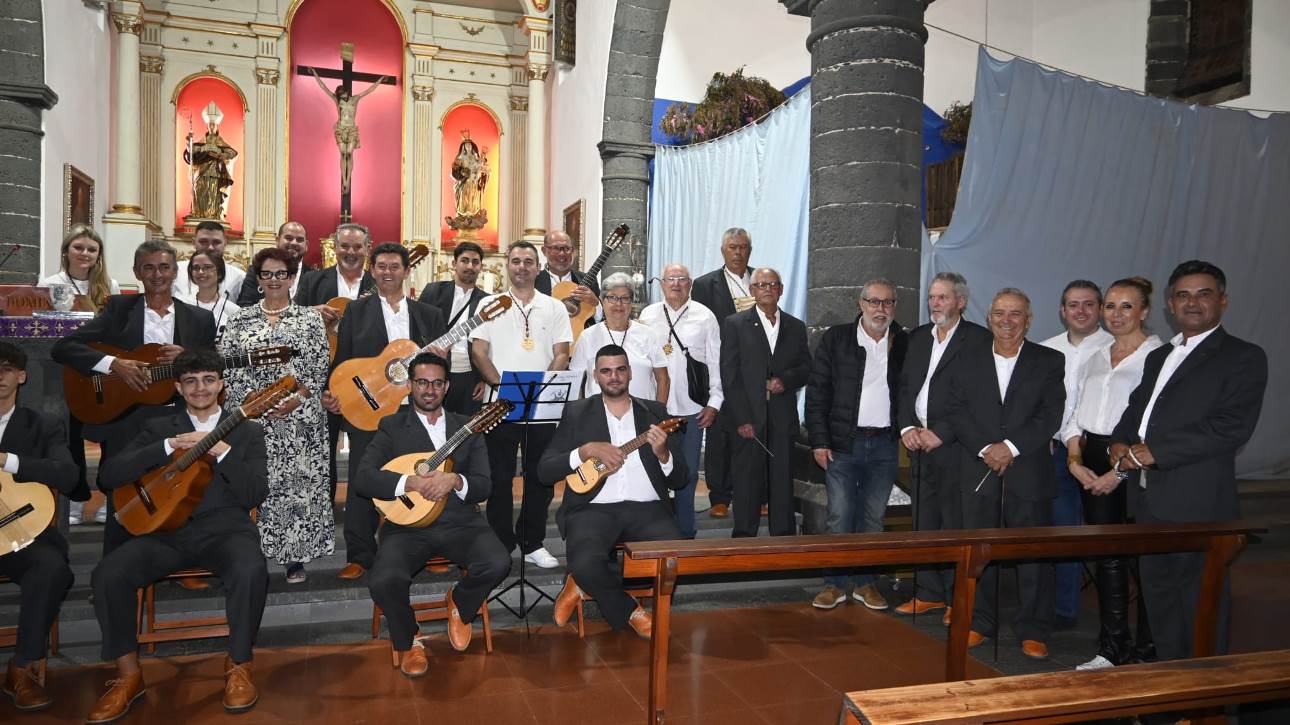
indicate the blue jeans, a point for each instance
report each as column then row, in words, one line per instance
column 1067, row 511
column 859, row 482
column 683, row 499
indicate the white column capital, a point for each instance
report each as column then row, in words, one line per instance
column 538, row 71
column 151, row 63
column 422, row 93
column 267, row 76
column 126, row 23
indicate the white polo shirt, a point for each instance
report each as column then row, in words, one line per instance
column 547, row 325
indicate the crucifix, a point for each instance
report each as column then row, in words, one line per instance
column 346, row 128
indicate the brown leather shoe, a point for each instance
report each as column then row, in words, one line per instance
column 25, row 685
column 918, row 606
column 459, row 631
column 239, row 692
column 567, row 601
column 193, row 584
column 765, row 509
column 414, row 663
column 1034, row 649
column 976, row 639
column 642, row 622
column 121, row 693
column 351, row 571
column 719, row 511
column 439, row 568
column 948, row 617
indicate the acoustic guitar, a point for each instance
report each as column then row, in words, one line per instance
column 164, row 498
column 413, row 509
column 580, row 312
column 416, row 255
column 102, row 397
column 592, row 473
column 370, row 388
column 26, row 509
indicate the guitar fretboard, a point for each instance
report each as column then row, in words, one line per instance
column 210, row 439
column 450, row 445
column 449, row 338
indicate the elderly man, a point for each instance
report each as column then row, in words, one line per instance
column 291, row 237
column 558, row 250
column 208, row 237
column 691, row 332
column 850, row 408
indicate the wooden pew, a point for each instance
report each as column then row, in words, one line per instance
column 1183, row 686
column 969, row 550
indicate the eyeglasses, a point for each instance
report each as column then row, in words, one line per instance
column 618, row 299
column 202, row 267
column 879, row 302
column 675, row 280
column 766, row 285
column 270, row 274
column 422, row 383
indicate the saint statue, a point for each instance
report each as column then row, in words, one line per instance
column 346, row 128
column 470, row 172
column 209, row 159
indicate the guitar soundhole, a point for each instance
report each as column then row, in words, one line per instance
column 397, row 372
column 571, row 304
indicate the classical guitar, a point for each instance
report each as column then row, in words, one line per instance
column 592, row 473
column 370, row 388
column 413, row 509
column 164, row 498
column 416, row 255
column 102, row 397
column 580, row 312
column 26, row 509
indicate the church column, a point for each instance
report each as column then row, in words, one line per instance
column 423, row 133
column 124, row 226
column 266, row 149
column 535, row 155
column 518, row 146
column 150, row 149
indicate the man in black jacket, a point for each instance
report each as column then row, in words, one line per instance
column 219, row 536
column 850, row 407
column 292, row 238
column 558, row 250
column 632, row 502
column 31, row 450
column 460, row 533
column 1197, row 404
column 1005, row 402
column 457, row 299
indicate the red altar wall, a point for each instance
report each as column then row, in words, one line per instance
column 484, row 132
column 193, row 98
column 313, row 177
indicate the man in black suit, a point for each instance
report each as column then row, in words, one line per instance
column 457, row 299
column 291, row 237
column 1197, row 404
column 126, row 322
column 764, row 361
column 558, row 250
column 1005, row 401
column 368, row 326
column 460, row 533
column 631, row 504
column 719, row 291
column 219, row 536
column 934, row 350
column 31, row 450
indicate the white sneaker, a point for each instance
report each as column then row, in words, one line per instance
column 74, row 512
column 100, row 516
column 1097, row 663
column 541, row 557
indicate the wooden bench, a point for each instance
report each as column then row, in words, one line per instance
column 174, row 629
column 433, row 609
column 1176, row 686
column 969, row 550
column 9, row 634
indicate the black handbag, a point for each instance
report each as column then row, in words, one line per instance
column 696, row 373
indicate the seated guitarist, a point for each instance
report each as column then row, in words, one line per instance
column 631, row 504
column 219, row 536
column 460, row 533
column 33, row 450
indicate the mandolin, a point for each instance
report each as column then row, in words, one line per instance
column 413, row 509
column 102, row 397
column 588, row 477
column 370, row 388
column 26, row 509
column 579, row 313
column 164, row 498
column 416, row 255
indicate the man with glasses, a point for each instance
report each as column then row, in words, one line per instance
column 457, row 299
column 850, row 408
column 368, row 326
column 292, row 239
column 558, row 249
column 209, row 236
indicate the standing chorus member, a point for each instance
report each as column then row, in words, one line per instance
column 644, row 346
column 292, row 240
column 209, row 236
column 558, row 250
column 206, row 275
column 457, row 299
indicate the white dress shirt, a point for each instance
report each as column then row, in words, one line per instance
column 558, row 278
column 200, row 426
column 631, row 482
column 1003, row 367
column 699, row 331
column 771, row 330
column 438, row 432
column 11, row 460
column 396, row 322
column 221, row 309
column 1103, row 391
column 738, row 286
column 1077, row 357
column 1182, row 348
column 938, row 351
column 460, row 353
column 344, row 288
column 157, row 328
column 874, row 410
column 644, row 348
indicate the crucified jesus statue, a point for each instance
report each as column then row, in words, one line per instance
column 346, row 127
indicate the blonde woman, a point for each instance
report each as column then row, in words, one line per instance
column 81, row 265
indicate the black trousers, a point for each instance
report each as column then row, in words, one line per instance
column 591, row 531
column 937, row 507
column 224, row 541
column 40, row 570
column 1171, row 588
column 76, row 446
column 503, row 443
column 404, row 552
column 460, row 388
column 751, row 486
column 718, row 445
column 361, row 516
column 334, row 425
column 1036, row 583
column 120, row 434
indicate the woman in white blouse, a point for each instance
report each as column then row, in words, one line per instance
column 644, row 344
column 81, row 265
column 206, row 272
column 1103, row 394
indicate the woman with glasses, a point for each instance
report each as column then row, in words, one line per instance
column 644, row 344
column 295, row 521
column 206, row 272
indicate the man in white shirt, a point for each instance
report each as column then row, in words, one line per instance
column 209, row 236
column 1081, row 314
column 630, row 504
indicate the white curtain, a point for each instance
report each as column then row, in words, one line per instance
column 1066, row 178
column 756, row 178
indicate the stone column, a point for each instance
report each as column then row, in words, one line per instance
column 535, row 211
column 266, row 154
column 150, row 66
column 423, row 133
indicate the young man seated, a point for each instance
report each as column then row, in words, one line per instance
column 219, row 536
column 31, row 450
column 460, row 533
column 631, row 504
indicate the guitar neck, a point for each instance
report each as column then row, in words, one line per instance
column 450, row 445
column 166, row 371
column 631, row 445
column 594, row 270
column 453, row 336
column 225, row 427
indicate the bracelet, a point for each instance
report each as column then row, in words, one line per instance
column 1135, row 459
column 1119, row 475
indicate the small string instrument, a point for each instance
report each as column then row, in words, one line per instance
column 26, row 509
column 580, row 312
column 592, row 473
column 416, row 256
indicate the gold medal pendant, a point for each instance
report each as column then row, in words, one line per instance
column 667, row 349
column 527, row 343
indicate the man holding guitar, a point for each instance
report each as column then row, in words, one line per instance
column 32, row 450
column 219, row 536
column 457, row 299
column 631, row 503
column 369, row 324
column 459, row 533
column 558, row 249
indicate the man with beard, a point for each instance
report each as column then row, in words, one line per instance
column 291, row 237
column 457, row 299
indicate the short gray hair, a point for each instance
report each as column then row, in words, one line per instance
column 152, row 246
column 616, row 280
column 864, row 289
column 735, row 232
column 956, row 279
column 1014, row 292
column 354, row 227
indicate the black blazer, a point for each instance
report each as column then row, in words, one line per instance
column 400, row 434
column 319, row 286
column 1028, row 416
column 41, row 447
column 833, row 393
column 240, row 481
column 1205, row 413
column 583, row 421
column 251, row 294
column 712, row 291
column 120, row 323
column 543, row 281
column 439, row 295
column 746, row 363
column 362, row 329
column 917, row 358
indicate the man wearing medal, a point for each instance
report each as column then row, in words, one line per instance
column 533, row 334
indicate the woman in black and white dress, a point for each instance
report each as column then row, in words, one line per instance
column 206, row 272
